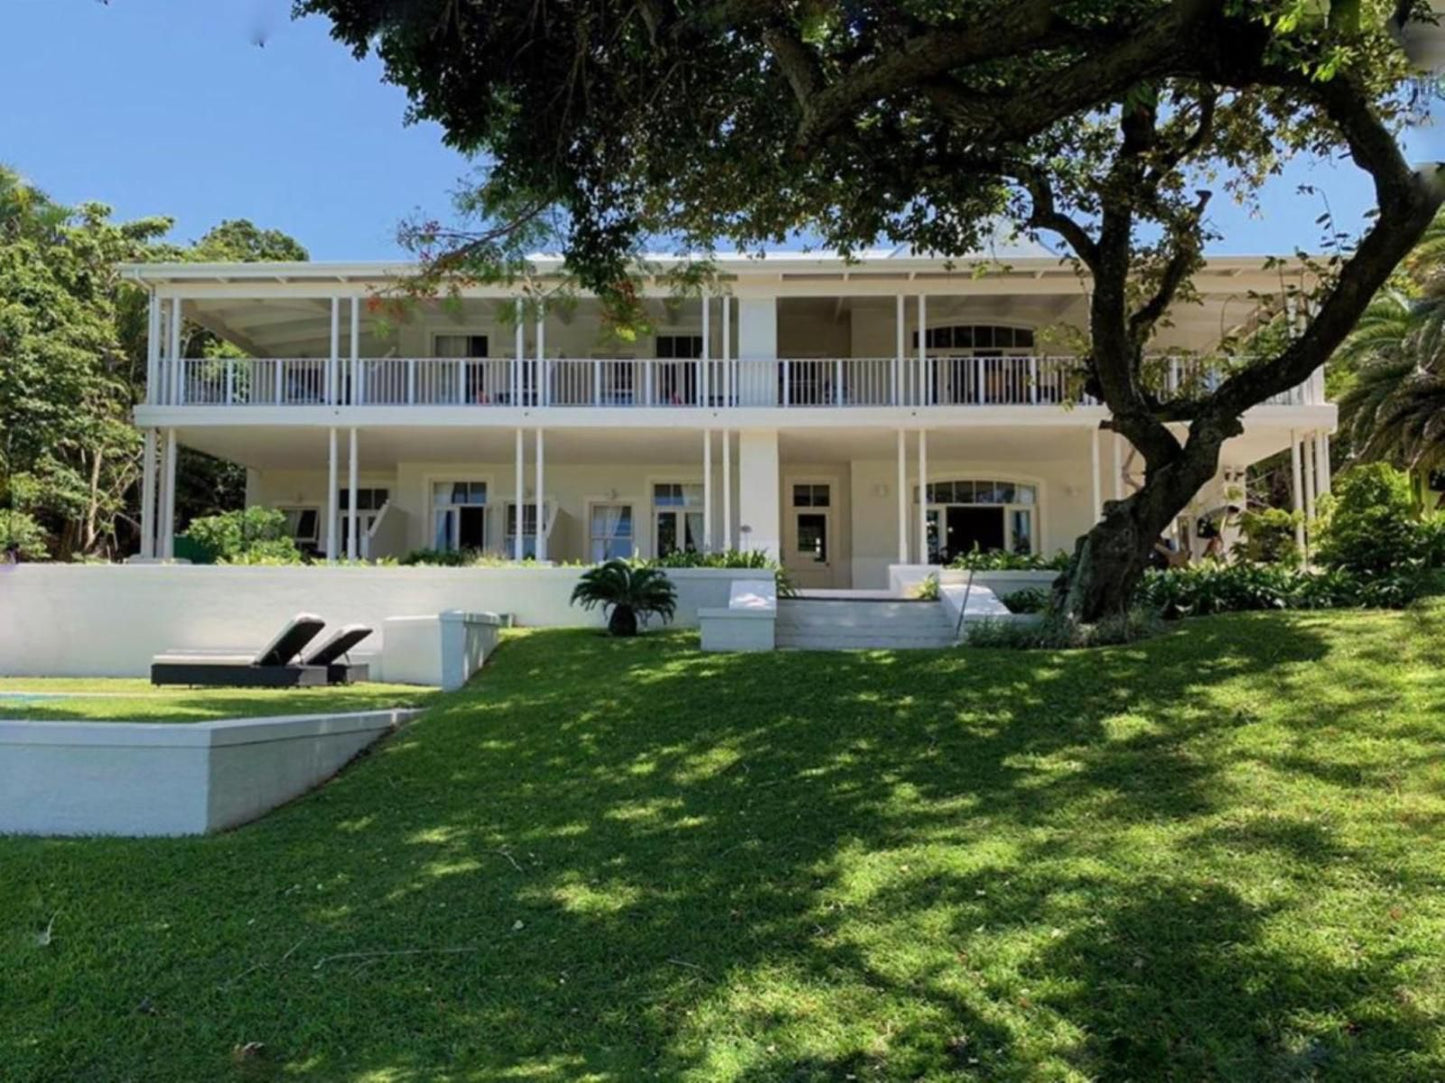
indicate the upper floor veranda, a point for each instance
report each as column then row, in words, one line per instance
column 893, row 334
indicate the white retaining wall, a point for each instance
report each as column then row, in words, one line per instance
column 143, row 778
column 442, row 650
column 79, row 620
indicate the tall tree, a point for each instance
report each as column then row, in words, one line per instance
column 68, row 452
column 1099, row 122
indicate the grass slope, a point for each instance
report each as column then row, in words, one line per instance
column 94, row 699
column 1216, row 855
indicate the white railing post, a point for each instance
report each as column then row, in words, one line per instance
column 838, row 382
column 1033, row 379
column 333, row 359
column 978, row 377
column 648, row 366
column 354, row 345
column 230, row 381
column 898, row 319
column 410, row 380
column 280, row 365
column 596, row 382
column 787, row 382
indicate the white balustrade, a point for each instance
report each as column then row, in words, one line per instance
column 595, row 382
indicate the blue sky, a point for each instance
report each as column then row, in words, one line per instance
column 169, row 107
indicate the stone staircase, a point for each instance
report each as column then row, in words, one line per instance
column 852, row 624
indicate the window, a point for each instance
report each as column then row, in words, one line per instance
column 366, row 499
column 982, row 337
column 810, row 496
column 676, row 525
column 813, row 536
column 529, row 529
column 460, row 345
column 679, row 347
column 459, row 515
column 979, row 513
column 304, row 524
column 610, row 532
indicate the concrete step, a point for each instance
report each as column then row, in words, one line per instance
column 812, row 624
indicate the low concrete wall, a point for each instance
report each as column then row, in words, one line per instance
column 108, row 620
column 442, row 650
column 903, row 579
column 747, row 623
column 140, row 778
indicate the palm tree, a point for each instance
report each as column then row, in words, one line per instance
column 1392, row 404
column 631, row 592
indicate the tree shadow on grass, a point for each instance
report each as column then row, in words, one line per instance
column 605, row 860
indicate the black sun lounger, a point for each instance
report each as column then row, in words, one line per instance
column 273, row 666
column 332, row 656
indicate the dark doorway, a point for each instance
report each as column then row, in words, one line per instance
column 472, row 528
column 967, row 527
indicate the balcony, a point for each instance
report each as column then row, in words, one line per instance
column 608, row 383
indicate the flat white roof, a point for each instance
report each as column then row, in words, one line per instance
column 873, row 263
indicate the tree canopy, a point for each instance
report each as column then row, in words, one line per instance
column 72, row 368
column 1102, row 125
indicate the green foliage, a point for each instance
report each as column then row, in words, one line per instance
column 1269, row 537
column 1058, row 632
column 1001, row 560
column 1212, row 587
column 441, row 558
column 727, row 558
column 928, row 590
column 1370, row 527
column 1028, row 600
column 21, row 534
column 628, row 594
column 252, row 535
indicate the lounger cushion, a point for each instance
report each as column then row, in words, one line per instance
column 290, row 640
column 338, row 645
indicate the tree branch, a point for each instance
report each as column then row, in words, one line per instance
column 1182, row 262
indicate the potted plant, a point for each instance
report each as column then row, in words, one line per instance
column 627, row 593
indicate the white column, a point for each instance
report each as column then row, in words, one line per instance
column 1296, row 490
column 1322, row 464
column 1118, row 467
column 900, row 349
column 1308, row 464
column 902, row 489
column 153, row 355
column 355, row 343
column 148, row 496
column 519, row 500
column 703, row 396
column 331, row 480
column 541, row 375
column 333, row 360
column 521, row 350
column 727, row 487
column 707, row 541
column 174, row 350
column 541, row 505
column 923, row 496
column 730, row 382
column 922, row 396
column 757, row 345
column 353, row 543
column 168, row 510
column 759, row 507
column 1094, row 471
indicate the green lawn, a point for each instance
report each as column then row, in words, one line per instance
column 94, row 699
column 1216, row 855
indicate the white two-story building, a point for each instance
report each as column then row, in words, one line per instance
column 795, row 410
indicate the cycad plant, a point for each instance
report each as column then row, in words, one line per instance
column 627, row 593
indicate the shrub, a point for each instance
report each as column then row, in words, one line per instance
column 927, row 590
column 20, row 533
column 726, row 558
column 1203, row 589
column 627, row 593
column 441, row 558
column 1001, row 560
column 1028, row 600
column 1060, row 633
column 1269, row 537
column 1370, row 527
column 246, row 536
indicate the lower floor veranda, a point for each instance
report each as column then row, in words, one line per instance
column 836, row 505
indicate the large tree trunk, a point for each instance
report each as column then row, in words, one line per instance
column 1110, row 560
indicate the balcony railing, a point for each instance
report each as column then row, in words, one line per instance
column 791, row 383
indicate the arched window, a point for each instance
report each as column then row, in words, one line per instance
column 978, row 513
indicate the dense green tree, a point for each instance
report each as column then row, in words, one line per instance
column 68, row 452
column 1101, row 123
column 72, row 367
